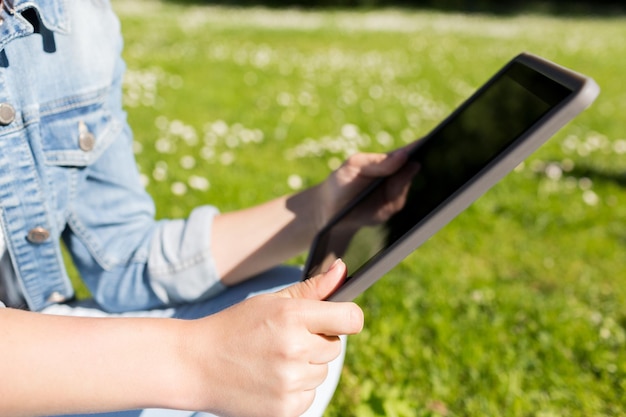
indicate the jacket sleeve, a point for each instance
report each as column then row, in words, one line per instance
column 180, row 266
column 128, row 260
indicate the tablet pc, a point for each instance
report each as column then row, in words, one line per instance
column 486, row 137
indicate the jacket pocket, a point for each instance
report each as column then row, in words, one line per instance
column 77, row 131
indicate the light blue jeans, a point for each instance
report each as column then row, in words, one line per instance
column 270, row 281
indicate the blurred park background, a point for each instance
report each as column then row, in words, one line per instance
column 490, row 6
column 516, row 308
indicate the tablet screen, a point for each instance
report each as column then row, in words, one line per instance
column 446, row 160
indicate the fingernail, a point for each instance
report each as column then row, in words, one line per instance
column 334, row 265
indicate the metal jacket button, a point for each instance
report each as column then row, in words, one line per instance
column 38, row 235
column 86, row 139
column 7, row 114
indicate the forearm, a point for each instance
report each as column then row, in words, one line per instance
column 250, row 241
column 54, row 364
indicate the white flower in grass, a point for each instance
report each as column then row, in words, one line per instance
column 349, row 151
column 258, row 136
column 131, row 98
column 236, row 128
column 408, row 135
column 384, row 138
column 585, row 183
column 336, row 145
column 137, row 147
column 159, row 173
column 232, row 141
column 348, row 97
column 597, row 141
column 183, row 131
column 388, row 74
column 619, row 146
column 198, row 183
column 570, row 144
column 164, row 145
column 190, row 137
column 567, row 165
column 179, row 188
column 417, row 100
column 284, row 99
column 376, row 92
column 187, row 162
column 584, row 149
column 246, row 136
column 262, row 57
column 596, row 318
column 414, row 119
column 207, row 153
column 227, row 158
column 295, row 182
column 305, row 98
column 591, row 198
column 210, row 138
column 219, row 127
column 176, row 127
column 605, row 333
column 554, row 172
column 140, row 87
column 219, row 52
column 538, row 166
column 161, row 122
column 334, row 163
column 350, row 131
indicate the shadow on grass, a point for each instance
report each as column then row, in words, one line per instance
column 605, row 8
column 598, row 175
column 607, row 177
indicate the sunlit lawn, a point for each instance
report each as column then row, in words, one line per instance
column 517, row 308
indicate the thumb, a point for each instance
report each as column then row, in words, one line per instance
column 318, row 287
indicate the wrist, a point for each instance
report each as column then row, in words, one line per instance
column 182, row 385
column 199, row 367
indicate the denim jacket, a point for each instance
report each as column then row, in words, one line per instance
column 67, row 170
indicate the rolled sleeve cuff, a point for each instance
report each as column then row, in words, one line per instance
column 180, row 265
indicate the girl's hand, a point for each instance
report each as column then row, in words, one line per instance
column 266, row 355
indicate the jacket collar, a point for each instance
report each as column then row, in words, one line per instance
column 53, row 14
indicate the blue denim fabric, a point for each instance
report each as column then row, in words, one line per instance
column 65, row 80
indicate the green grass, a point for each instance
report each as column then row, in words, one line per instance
column 516, row 308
